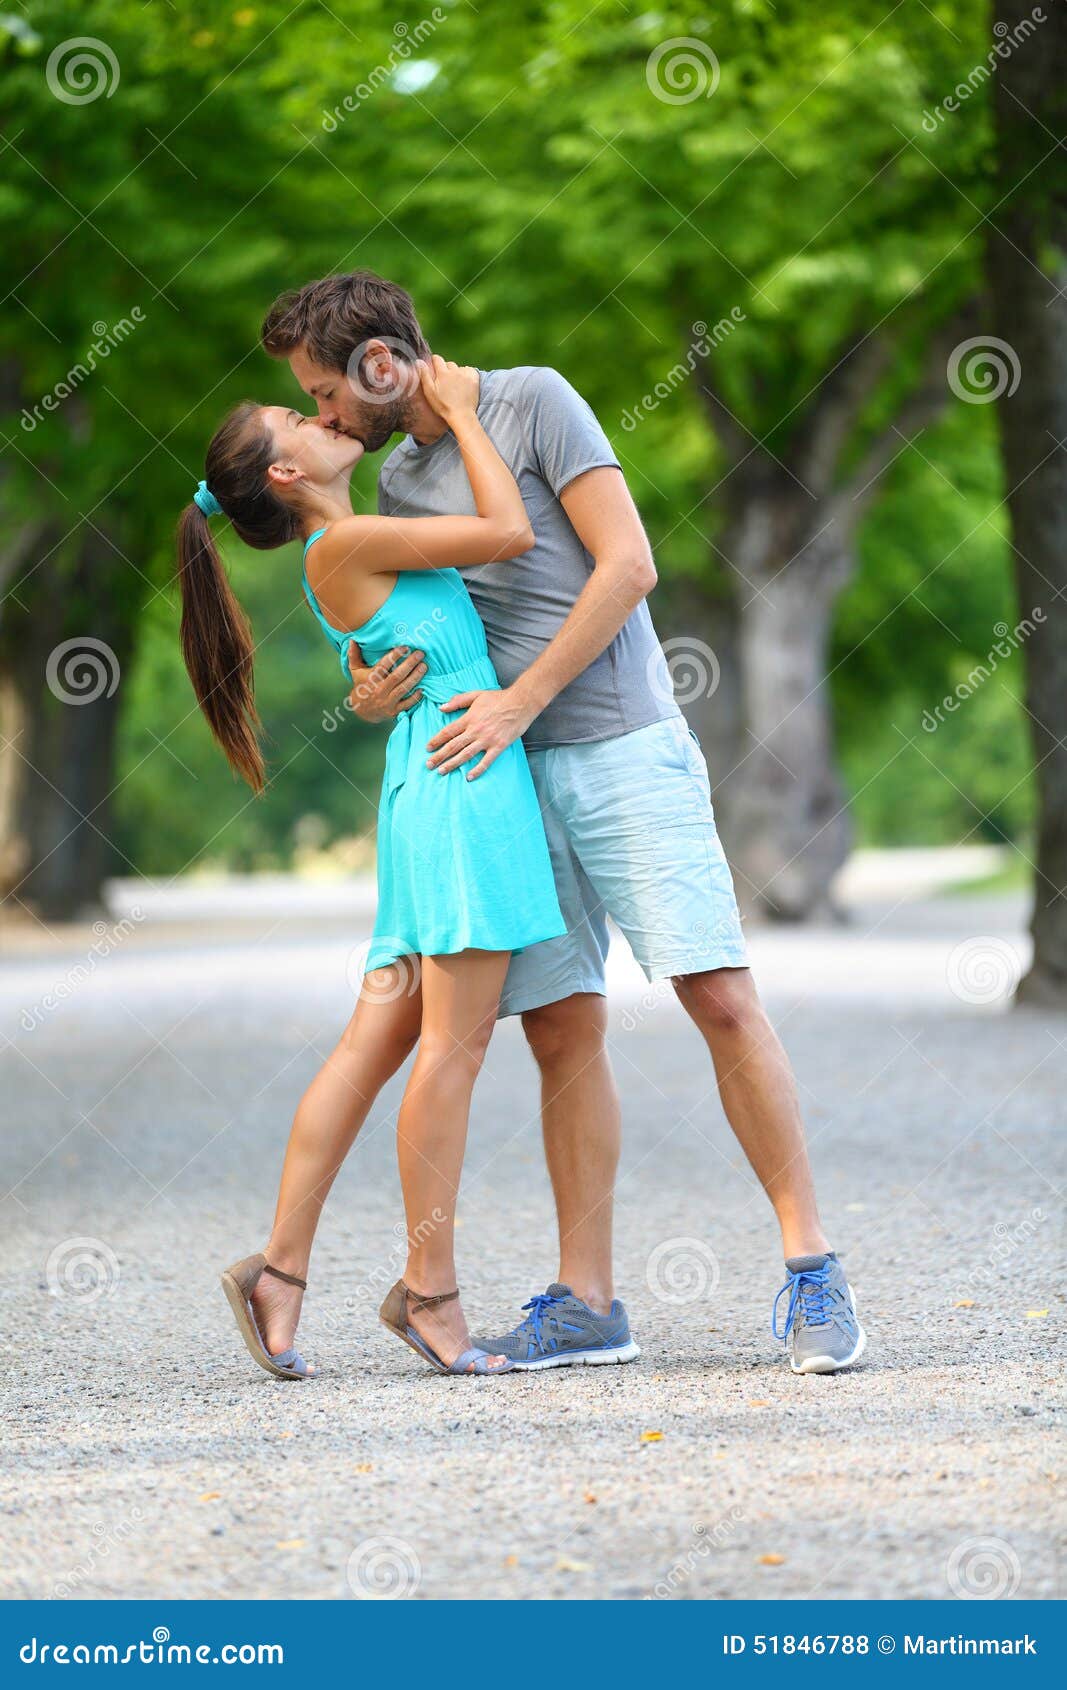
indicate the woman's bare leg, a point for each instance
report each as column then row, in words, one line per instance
column 378, row 1039
column 460, row 995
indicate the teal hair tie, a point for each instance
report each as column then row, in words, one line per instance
column 207, row 501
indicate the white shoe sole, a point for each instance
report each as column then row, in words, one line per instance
column 834, row 1364
column 582, row 1358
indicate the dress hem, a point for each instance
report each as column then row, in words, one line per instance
column 453, row 948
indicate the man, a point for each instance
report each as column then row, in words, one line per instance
column 623, row 789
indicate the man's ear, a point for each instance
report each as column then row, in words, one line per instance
column 377, row 363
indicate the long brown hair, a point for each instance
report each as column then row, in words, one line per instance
column 216, row 637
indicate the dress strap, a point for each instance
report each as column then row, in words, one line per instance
column 338, row 640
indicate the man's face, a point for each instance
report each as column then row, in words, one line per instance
column 368, row 402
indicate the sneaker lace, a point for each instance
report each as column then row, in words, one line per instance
column 538, row 1305
column 809, row 1301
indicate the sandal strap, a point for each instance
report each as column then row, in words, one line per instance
column 430, row 1302
column 290, row 1278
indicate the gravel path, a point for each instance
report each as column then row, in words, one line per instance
column 148, row 1100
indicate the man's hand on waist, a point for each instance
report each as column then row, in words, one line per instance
column 380, row 692
column 491, row 721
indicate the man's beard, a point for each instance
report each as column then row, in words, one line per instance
column 377, row 424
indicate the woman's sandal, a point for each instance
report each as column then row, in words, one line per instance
column 239, row 1282
column 394, row 1314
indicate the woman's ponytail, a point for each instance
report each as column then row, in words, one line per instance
column 215, row 635
column 217, row 646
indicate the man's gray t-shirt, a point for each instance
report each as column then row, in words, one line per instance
column 547, row 435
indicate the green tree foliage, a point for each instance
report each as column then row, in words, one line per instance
column 520, row 170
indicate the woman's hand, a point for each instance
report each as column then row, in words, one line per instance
column 451, row 389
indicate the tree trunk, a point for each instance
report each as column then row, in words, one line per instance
column 1028, row 269
column 59, row 715
column 705, row 633
column 784, row 800
column 765, row 724
column 788, row 547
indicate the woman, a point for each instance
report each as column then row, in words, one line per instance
column 464, row 876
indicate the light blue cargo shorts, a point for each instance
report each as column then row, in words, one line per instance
column 632, row 835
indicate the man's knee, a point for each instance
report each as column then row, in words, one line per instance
column 722, row 1000
column 574, row 1026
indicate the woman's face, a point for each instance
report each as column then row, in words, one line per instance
column 302, row 442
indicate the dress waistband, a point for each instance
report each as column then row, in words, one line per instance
column 437, row 687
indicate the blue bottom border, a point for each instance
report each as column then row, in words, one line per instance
column 725, row 1642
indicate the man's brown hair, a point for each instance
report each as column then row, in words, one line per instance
column 333, row 317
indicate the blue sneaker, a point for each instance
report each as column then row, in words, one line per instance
column 821, row 1328
column 562, row 1331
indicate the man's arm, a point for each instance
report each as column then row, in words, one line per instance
column 605, row 519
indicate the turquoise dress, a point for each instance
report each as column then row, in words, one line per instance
column 462, row 865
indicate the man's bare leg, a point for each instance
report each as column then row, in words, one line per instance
column 759, row 1096
column 581, row 1125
